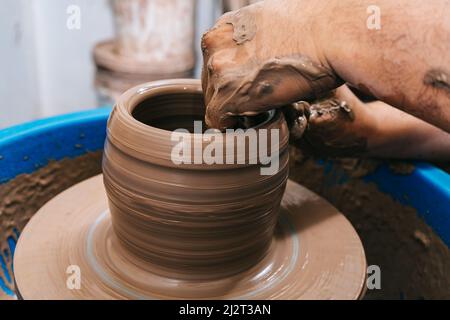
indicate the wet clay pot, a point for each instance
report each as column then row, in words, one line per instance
column 190, row 220
column 162, row 230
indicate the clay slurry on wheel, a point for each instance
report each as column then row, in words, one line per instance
column 330, row 262
column 191, row 231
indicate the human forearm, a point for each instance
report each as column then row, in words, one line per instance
column 405, row 63
column 346, row 126
column 398, row 135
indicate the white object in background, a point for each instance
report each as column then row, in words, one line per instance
column 64, row 55
column 18, row 79
column 158, row 32
column 231, row 5
column 47, row 69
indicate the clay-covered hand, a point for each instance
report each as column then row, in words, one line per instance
column 343, row 125
column 263, row 56
column 337, row 125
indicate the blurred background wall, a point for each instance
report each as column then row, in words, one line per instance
column 46, row 68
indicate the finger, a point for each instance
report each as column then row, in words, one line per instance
column 217, row 119
column 251, row 97
column 222, row 67
column 241, row 94
column 215, row 42
column 296, row 119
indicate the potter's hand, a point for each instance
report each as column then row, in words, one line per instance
column 282, row 51
column 263, row 56
column 338, row 125
column 343, row 125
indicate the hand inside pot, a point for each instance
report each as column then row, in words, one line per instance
column 251, row 62
column 278, row 52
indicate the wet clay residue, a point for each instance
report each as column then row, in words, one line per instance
column 244, row 25
column 321, row 128
column 324, row 261
column 255, row 82
column 438, row 79
column 195, row 219
column 404, row 168
column 211, row 229
column 414, row 261
column 250, row 83
column 361, row 167
column 24, row 195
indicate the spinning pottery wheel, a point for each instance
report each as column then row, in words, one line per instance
column 152, row 230
column 315, row 254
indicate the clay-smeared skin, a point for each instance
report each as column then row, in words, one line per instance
column 345, row 126
column 438, row 79
column 329, row 262
column 21, row 197
column 406, row 67
column 203, row 221
column 329, row 129
column 252, row 63
column 189, row 231
column 404, row 63
column 244, row 26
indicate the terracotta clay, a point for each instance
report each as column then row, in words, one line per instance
column 229, row 95
column 380, row 217
column 186, row 231
column 27, row 193
column 414, row 261
column 238, row 82
column 314, row 254
column 189, row 219
column 439, row 79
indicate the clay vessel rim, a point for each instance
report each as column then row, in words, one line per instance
column 153, row 144
column 138, row 94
